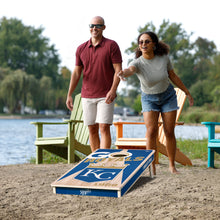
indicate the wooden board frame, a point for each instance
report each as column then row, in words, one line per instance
column 105, row 172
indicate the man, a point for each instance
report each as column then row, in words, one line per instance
column 100, row 60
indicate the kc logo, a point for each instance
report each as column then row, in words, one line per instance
column 97, row 175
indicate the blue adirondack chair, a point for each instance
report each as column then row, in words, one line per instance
column 70, row 147
column 213, row 143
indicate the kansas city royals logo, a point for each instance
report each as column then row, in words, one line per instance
column 97, row 175
column 106, row 169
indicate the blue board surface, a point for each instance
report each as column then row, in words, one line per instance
column 106, row 172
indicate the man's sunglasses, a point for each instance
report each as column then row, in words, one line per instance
column 96, row 25
column 145, row 41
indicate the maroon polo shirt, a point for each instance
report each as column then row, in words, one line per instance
column 97, row 62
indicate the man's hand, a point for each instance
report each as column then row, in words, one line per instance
column 69, row 103
column 110, row 97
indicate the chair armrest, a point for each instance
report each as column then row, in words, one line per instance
column 180, row 123
column 39, row 126
column 75, row 121
column 127, row 122
column 119, row 126
column 211, row 128
column 210, row 123
column 47, row 123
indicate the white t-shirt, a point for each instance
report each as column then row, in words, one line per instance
column 153, row 74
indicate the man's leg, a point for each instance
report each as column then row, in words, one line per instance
column 105, row 118
column 89, row 116
column 105, row 136
column 94, row 140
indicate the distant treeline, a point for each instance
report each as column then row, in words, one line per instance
column 31, row 76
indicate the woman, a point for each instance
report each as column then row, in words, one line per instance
column 154, row 70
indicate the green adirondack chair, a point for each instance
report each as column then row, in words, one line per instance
column 71, row 147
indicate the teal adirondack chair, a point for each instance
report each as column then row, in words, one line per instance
column 213, row 143
column 71, row 147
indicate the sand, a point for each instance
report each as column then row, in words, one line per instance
column 26, row 193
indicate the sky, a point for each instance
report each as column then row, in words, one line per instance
column 65, row 22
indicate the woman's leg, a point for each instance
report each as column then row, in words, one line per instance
column 169, row 119
column 151, row 122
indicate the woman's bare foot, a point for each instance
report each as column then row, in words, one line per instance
column 173, row 170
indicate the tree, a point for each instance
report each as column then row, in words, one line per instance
column 201, row 92
column 204, row 49
column 14, row 90
column 24, row 47
column 179, row 42
column 46, row 95
column 204, row 52
column 216, row 97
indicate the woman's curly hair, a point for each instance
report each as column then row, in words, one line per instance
column 160, row 47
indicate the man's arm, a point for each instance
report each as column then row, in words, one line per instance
column 111, row 95
column 73, row 83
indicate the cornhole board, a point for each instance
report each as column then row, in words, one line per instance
column 105, row 172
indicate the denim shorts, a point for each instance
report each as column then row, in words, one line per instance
column 162, row 102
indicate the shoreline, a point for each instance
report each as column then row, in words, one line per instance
column 130, row 118
column 31, row 116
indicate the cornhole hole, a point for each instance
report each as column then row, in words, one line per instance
column 105, row 172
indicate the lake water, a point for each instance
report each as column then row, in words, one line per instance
column 17, row 137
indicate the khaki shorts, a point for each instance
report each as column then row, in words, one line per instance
column 95, row 110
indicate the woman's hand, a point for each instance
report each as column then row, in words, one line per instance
column 121, row 75
column 190, row 98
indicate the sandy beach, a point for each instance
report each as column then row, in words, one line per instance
column 26, row 193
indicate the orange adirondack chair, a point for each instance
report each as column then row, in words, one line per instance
column 140, row 143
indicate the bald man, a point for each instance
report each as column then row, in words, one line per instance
column 99, row 60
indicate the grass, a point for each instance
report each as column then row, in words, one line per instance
column 194, row 149
column 49, row 158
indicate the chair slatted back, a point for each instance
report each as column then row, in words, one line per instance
column 181, row 98
column 81, row 131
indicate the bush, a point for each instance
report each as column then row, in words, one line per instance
column 197, row 115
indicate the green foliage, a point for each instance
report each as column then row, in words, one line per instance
column 29, row 69
column 199, row 114
column 14, row 89
column 137, row 104
column 201, row 92
column 204, row 49
column 24, row 47
column 196, row 63
column 216, row 96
